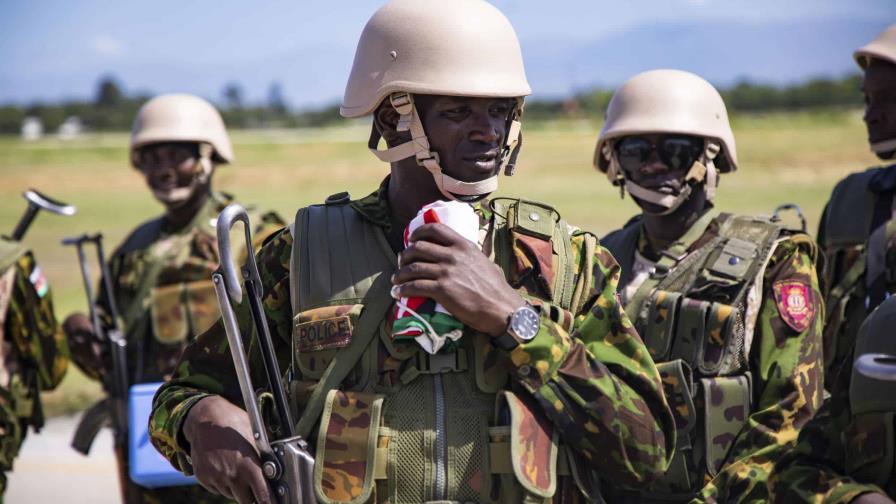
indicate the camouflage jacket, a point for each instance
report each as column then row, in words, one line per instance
column 34, row 354
column 596, row 383
column 161, row 278
column 784, row 361
column 817, row 470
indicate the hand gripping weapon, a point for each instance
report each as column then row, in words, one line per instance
column 36, row 203
column 115, row 406
column 286, row 463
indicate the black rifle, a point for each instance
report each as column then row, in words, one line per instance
column 113, row 410
column 36, row 203
column 286, row 463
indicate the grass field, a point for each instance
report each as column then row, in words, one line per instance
column 783, row 158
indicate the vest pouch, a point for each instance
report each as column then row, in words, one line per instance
column 870, row 446
column 727, row 405
column 319, row 333
column 690, row 329
column 202, row 305
column 732, row 262
column 684, row 474
column 168, row 313
column 716, row 341
column 658, row 329
column 533, row 447
column 347, row 442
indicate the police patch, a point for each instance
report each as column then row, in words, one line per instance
column 795, row 304
column 324, row 334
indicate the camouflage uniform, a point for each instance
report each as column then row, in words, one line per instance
column 858, row 235
column 34, row 353
column 586, row 378
column 727, row 443
column 161, row 279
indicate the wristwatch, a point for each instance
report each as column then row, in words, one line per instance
column 522, row 326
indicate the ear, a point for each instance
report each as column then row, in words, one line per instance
column 386, row 121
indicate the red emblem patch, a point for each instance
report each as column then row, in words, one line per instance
column 795, row 304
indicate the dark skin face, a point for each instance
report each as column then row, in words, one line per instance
column 879, row 87
column 663, row 230
column 168, row 166
column 467, row 133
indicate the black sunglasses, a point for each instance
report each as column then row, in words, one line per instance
column 678, row 152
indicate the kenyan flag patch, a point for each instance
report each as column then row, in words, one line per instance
column 39, row 281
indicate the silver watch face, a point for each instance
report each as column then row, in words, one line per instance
column 524, row 323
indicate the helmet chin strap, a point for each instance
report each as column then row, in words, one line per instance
column 419, row 148
column 884, row 147
column 202, row 171
column 703, row 171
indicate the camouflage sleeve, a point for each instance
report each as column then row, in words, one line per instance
column 31, row 324
column 813, row 470
column 786, row 362
column 206, row 367
column 598, row 384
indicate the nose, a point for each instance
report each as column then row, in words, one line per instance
column 654, row 165
column 486, row 129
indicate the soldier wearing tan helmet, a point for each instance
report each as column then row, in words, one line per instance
column 547, row 388
column 846, row 454
column 161, row 273
column 728, row 305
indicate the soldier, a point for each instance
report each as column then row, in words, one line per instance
column 160, row 274
column 728, row 305
column 846, row 453
column 548, row 387
column 33, row 351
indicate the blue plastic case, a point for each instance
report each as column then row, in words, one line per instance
column 148, row 467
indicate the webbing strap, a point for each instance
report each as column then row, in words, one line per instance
column 668, row 260
column 876, row 274
column 376, row 304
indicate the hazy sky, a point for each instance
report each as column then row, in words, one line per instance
column 55, row 49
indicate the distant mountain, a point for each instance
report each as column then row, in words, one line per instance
column 723, row 53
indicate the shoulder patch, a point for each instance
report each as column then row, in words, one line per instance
column 795, row 304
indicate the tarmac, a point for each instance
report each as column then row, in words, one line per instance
column 48, row 470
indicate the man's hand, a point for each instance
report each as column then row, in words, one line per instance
column 441, row 264
column 872, row 498
column 224, row 456
column 85, row 346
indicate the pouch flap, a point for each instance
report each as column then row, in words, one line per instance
column 534, row 219
column 202, row 305
column 346, row 447
column 533, row 445
column 720, row 316
column 691, row 328
column 727, row 402
column 678, row 385
column 168, row 312
column 735, row 259
column 658, row 329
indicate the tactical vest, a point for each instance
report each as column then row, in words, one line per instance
column 870, row 438
column 696, row 313
column 395, row 424
column 854, row 234
column 173, row 311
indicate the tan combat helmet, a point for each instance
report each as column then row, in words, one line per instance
column 668, row 101
column 442, row 47
column 882, row 48
column 182, row 118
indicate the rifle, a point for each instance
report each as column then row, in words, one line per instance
column 114, row 408
column 287, row 463
column 36, row 203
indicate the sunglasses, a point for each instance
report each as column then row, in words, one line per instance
column 678, row 152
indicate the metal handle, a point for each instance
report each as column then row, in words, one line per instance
column 37, row 202
column 877, row 365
